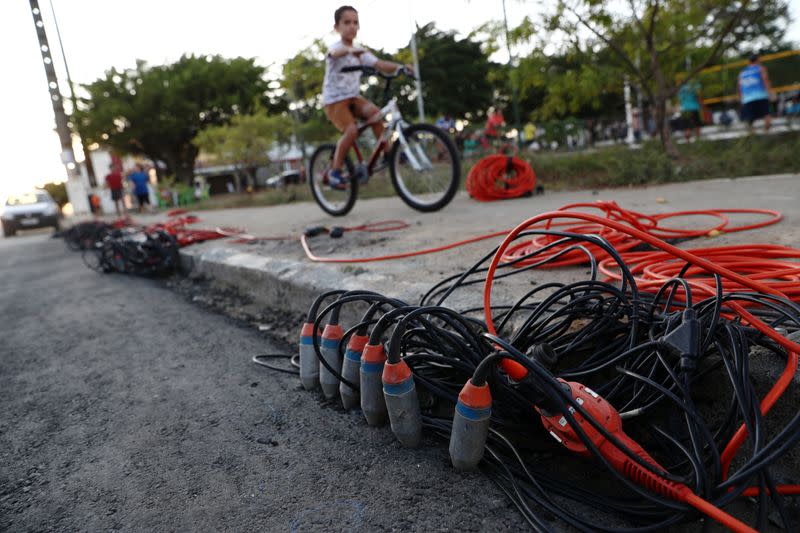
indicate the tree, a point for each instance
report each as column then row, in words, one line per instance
column 650, row 40
column 245, row 142
column 454, row 74
column 158, row 111
column 303, row 75
column 574, row 84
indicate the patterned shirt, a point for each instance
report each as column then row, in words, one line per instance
column 339, row 85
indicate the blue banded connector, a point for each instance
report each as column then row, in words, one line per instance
column 372, row 403
column 309, row 364
column 331, row 336
column 351, row 365
column 470, row 426
column 402, row 404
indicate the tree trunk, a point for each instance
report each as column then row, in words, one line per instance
column 237, row 180
column 182, row 164
column 184, row 172
column 661, row 115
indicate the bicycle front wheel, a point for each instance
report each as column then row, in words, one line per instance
column 334, row 201
column 425, row 169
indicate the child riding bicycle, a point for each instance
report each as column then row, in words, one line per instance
column 341, row 90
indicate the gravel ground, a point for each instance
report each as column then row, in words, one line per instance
column 126, row 408
column 131, row 404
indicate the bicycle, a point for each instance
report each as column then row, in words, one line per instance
column 422, row 159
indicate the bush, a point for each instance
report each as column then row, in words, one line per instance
column 619, row 166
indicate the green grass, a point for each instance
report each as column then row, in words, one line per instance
column 619, row 166
column 607, row 167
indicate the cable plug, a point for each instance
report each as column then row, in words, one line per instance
column 544, row 354
column 331, row 336
column 402, row 404
column 350, row 370
column 470, row 426
column 603, row 412
column 336, row 232
column 309, row 364
column 684, row 340
column 373, row 404
column 313, row 231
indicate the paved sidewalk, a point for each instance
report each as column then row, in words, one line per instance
column 279, row 272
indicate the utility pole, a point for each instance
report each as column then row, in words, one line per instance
column 75, row 189
column 415, row 58
column 514, row 92
column 417, row 76
column 87, row 160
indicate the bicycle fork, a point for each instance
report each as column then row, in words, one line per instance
column 419, row 161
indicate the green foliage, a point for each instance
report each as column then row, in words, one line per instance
column 303, row 75
column 158, row 111
column 58, row 191
column 621, row 166
column 316, row 127
column 454, row 73
column 652, row 41
column 246, row 140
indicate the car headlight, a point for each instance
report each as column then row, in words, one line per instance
column 52, row 209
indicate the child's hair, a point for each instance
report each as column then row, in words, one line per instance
column 337, row 15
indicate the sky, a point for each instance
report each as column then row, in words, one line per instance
column 99, row 34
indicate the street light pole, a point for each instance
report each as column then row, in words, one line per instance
column 75, row 189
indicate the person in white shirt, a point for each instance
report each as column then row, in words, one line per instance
column 341, row 90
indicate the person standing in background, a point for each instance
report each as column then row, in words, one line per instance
column 140, row 179
column 689, row 96
column 754, row 93
column 114, row 184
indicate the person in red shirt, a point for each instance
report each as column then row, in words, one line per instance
column 494, row 122
column 114, row 183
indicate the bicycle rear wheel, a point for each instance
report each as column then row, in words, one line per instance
column 336, row 202
column 426, row 170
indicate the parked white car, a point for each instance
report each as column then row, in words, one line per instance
column 35, row 209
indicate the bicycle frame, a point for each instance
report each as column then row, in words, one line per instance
column 394, row 130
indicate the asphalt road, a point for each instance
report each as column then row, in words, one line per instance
column 123, row 406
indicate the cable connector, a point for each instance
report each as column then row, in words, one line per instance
column 313, row 231
column 351, row 365
column 544, row 354
column 336, row 232
column 309, row 364
column 373, row 404
column 402, row 404
column 684, row 340
column 470, row 425
column 331, row 336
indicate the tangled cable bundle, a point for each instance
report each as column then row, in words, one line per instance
column 498, row 177
column 125, row 247
column 612, row 376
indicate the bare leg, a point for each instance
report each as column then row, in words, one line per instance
column 344, row 145
column 371, row 114
column 767, row 122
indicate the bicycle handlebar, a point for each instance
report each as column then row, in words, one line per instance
column 372, row 71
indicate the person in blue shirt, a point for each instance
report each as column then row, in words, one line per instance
column 140, row 179
column 754, row 93
column 689, row 96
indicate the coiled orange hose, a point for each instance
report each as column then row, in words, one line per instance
column 498, row 177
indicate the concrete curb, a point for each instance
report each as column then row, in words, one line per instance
column 285, row 283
